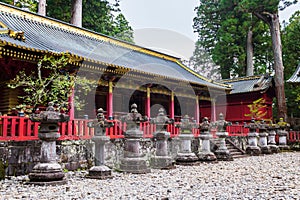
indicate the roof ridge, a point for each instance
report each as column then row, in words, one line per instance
column 12, row 10
column 202, row 77
column 244, row 78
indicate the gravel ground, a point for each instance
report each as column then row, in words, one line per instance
column 274, row 176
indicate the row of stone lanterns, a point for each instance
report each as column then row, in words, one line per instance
column 48, row 171
column 263, row 141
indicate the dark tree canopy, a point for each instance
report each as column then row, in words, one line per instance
column 98, row 15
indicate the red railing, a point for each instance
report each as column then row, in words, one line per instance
column 294, row 136
column 237, row 130
column 22, row 129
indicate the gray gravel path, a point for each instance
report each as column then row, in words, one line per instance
column 274, row 176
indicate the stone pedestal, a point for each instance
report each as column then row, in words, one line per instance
column 222, row 153
column 205, row 154
column 133, row 160
column 252, row 147
column 282, row 144
column 161, row 159
column 282, row 133
column 100, row 171
column 271, row 140
column 185, row 156
column 263, row 143
column 48, row 171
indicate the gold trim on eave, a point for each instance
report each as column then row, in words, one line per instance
column 201, row 77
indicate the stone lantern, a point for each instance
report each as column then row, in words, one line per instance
column 222, row 153
column 185, row 156
column 252, row 147
column 133, row 160
column 271, row 138
column 48, row 171
column 263, row 142
column 162, row 159
column 100, row 170
column 205, row 153
column 283, row 133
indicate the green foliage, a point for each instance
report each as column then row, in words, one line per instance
column 3, row 166
column 49, row 82
column 223, row 25
column 291, row 59
column 31, row 5
column 223, row 31
column 98, row 15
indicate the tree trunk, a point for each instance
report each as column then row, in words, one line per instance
column 249, row 70
column 76, row 13
column 42, row 7
column 278, row 65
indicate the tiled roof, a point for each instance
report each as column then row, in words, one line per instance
column 43, row 34
column 249, row 84
column 295, row 78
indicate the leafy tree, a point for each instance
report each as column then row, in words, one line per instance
column 49, row 82
column 52, row 81
column 291, row 49
column 30, row 5
column 98, row 15
column 202, row 63
column 223, row 33
column 223, row 25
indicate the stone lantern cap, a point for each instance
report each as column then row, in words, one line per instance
column 50, row 115
column 100, row 123
column 205, row 125
column 252, row 125
column 161, row 120
column 272, row 126
column 133, row 118
column 221, row 124
column 282, row 124
column 186, row 124
column 262, row 126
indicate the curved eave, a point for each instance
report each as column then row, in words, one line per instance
column 218, row 86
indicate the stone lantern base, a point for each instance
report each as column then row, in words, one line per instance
column 274, row 148
column 99, row 172
column 47, row 174
column 187, row 159
column 265, row 150
column 134, row 165
column 133, row 161
column 162, row 162
column 223, row 155
column 253, row 150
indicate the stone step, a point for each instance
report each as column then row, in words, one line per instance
column 235, row 152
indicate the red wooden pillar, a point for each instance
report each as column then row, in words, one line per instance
column 197, row 110
column 213, row 110
column 71, row 103
column 110, row 100
column 172, row 113
column 147, row 103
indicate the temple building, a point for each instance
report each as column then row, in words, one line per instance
column 125, row 73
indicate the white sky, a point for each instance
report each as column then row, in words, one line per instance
column 166, row 25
